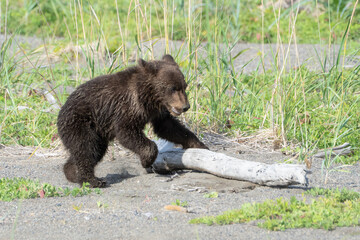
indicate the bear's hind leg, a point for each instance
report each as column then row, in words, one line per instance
column 71, row 171
column 86, row 174
column 80, row 166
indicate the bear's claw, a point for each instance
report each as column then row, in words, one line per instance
column 97, row 183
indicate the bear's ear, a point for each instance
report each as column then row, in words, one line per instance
column 168, row 58
column 142, row 63
column 149, row 67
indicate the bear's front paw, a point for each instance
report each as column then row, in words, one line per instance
column 148, row 155
column 201, row 145
column 148, row 170
column 196, row 144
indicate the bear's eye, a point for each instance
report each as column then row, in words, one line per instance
column 173, row 89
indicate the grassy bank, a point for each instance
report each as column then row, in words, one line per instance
column 305, row 110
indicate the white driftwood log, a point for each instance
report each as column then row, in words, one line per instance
column 171, row 158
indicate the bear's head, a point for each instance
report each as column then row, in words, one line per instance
column 168, row 84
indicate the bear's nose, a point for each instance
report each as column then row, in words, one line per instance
column 186, row 107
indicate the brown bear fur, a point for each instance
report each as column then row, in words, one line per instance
column 119, row 106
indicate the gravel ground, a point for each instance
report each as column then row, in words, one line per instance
column 136, row 200
column 295, row 55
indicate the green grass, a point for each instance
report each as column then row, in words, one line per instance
column 22, row 188
column 307, row 110
column 27, row 117
column 338, row 208
column 237, row 20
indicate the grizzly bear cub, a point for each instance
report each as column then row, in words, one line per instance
column 119, row 106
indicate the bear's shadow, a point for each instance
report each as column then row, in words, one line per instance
column 114, row 178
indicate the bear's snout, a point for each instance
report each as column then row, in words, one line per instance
column 186, row 107
column 178, row 103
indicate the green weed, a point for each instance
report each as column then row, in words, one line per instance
column 336, row 209
column 211, row 195
column 102, row 205
column 180, row 203
column 340, row 195
column 21, row 188
column 77, row 207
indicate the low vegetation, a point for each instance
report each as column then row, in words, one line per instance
column 22, row 188
column 180, row 203
column 335, row 208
